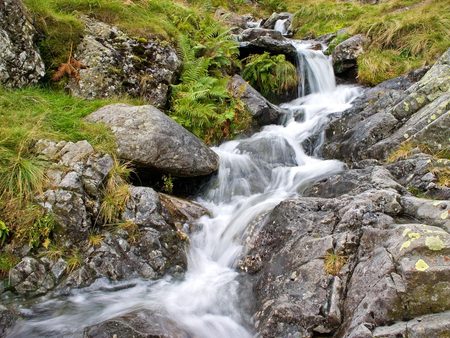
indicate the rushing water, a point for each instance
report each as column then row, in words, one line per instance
column 280, row 26
column 255, row 175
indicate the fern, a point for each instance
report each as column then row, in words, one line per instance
column 271, row 75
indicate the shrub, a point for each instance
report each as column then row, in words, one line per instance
column 270, row 75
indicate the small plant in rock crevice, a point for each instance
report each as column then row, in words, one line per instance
column 334, row 262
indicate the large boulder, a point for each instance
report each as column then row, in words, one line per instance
column 118, row 64
column 346, row 53
column 343, row 261
column 260, row 108
column 20, row 61
column 281, row 21
column 150, row 139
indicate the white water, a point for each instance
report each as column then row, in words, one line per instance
column 280, row 26
column 206, row 302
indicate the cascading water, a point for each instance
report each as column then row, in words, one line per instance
column 255, row 175
column 280, row 26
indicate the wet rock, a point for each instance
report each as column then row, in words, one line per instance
column 118, row 64
column 181, row 210
column 345, row 54
column 150, row 139
column 270, row 22
column 275, row 151
column 7, row 320
column 138, row 324
column 20, row 61
column 262, row 110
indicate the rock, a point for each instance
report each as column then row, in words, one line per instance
column 259, row 107
column 259, row 40
column 150, row 139
column 270, row 22
column 30, row 277
column 236, row 22
column 7, row 320
column 256, row 33
column 20, row 61
column 345, row 262
column 118, row 64
column 345, row 54
column 274, row 151
column 434, row 325
column 182, row 210
column 137, row 324
column 388, row 116
column 76, row 177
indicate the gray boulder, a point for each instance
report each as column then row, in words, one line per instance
column 260, row 108
column 118, row 64
column 137, row 324
column 346, row 53
column 20, row 61
column 259, row 40
column 150, row 139
column 271, row 21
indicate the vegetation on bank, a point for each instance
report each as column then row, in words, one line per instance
column 271, row 75
column 403, row 34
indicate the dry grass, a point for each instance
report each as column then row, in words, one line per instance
column 333, row 263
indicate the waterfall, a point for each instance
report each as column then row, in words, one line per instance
column 255, row 175
column 280, row 26
column 315, row 70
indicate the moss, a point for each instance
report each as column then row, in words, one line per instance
column 7, row 261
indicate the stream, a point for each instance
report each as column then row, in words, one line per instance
column 255, row 175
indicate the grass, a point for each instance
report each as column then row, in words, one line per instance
column 402, row 34
column 333, row 263
column 7, row 261
column 116, row 193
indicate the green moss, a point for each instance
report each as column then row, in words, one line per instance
column 7, row 261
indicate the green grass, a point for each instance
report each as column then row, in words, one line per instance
column 402, row 34
column 28, row 115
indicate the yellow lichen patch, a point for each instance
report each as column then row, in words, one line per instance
column 414, row 235
column 444, row 215
column 405, row 245
column 421, row 265
column 406, row 231
column 434, row 243
column 437, row 203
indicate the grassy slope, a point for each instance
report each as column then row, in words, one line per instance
column 403, row 34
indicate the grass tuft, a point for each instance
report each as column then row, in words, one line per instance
column 333, row 263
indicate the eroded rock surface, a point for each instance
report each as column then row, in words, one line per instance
column 118, row 64
column 20, row 61
column 354, row 255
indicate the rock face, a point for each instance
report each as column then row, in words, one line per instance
column 346, row 53
column 388, row 116
column 117, row 64
column 354, row 255
column 150, row 139
column 145, row 243
column 137, row 324
column 262, row 110
column 259, row 40
column 20, row 61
